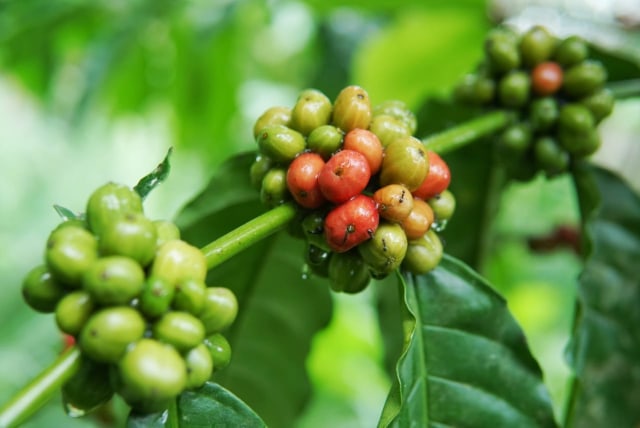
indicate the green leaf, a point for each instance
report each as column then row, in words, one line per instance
column 155, row 177
column 605, row 349
column 281, row 309
column 66, row 213
column 466, row 361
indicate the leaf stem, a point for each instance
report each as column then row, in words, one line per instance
column 468, row 132
column 623, row 89
column 248, row 234
column 26, row 402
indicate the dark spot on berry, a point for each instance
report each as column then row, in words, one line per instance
column 360, row 96
column 351, row 228
column 384, row 245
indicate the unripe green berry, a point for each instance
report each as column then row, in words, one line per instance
column 352, row 109
column 600, row 104
column 88, row 388
column 108, row 203
column 165, row 231
column 114, row 280
column 514, row 89
column 543, row 113
column 312, row 109
column 219, row 349
column 317, row 260
column 281, row 143
column 514, row 141
column 276, row 115
column 575, row 119
column 549, row 156
column 389, row 128
column 313, row 229
column 177, row 260
column 189, row 296
column 536, row 46
column 423, row 254
column 443, row 206
column 73, row 311
column 259, row 168
column 180, row 329
column 383, row 253
column 584, row 79
column 399, row 110
column 69, row 253
column 41, row 292
column 405, row 162
column 501, row 52
column 274, row 189
column 348, row 272
column 220, row 309
column 156, row 297
column 199, row 366
column 132, row 235
column 325, row 140
column 571, row 51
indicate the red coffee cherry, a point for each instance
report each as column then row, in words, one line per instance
column 546, row 78
column 351, row 223
column 302, row 180
column 344, row 176
column 437, row 179
column 366, row 143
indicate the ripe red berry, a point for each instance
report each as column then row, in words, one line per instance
column 437, row 179
column 344, row 176
column 366, row 143
column 351, row 223
column 546, row 78
column 302, row 180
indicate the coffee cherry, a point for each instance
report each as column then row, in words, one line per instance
column 394, row 202
column 73, row 311
column 546, row 78
column 514, row 141
column 366, row 143
column 536, row 46
column 114, row 280
column 443, row 206
column 219, row 349
column 156, row 297
column 274, row 187
column 69, row 253
column 133, row 235
column 385, row 251
column 88, row 388
column 302, row 180
column 259, row 168
column 325, row 140
column 580, row 144
column 571, row 51
column 543, row 113
column 176, row 260
column 600, row 104
column 109, row 332
column 41, row 292
column 150, row 374
column 189, row 295
column 549, row 156
column 423, row 254
column 345, row 175
column 276, row 115
column 348, row 273
column 352, row 109
column 180, row 329
column 388, row 129
column 199, row 366
column 313, row 228
column 584, row 78
column 405, row 162
column 419, row 219
column 317, row 259
column 437, row 179
column 514, row 88
column 501, row 52
column 575, row 118
column 399, row 110
column 108, row 202
column 351, row 223
column 280, row 143
column 475, row 89
column 312, row 109
column 220, row 309
column 165, row 231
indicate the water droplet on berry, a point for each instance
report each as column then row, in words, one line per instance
column 73, row 411
column 439, row 225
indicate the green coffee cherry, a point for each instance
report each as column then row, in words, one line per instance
column 549, row 156
column 69, row 253
column 156, row 297
column 109, row 202
column 543, row 113
column 181, row 330
column 443, row 205
column 259, row 168
column 108, row 332
column 313, row 229
column 514, row 141
column 114, row 280
column 501, row 52
column 73, row 311
column 281, row 143
column 165, row 231
column 399, row 110
column 219, row 349
column 348, row 272
column 600, row 104
column 575, row 119
column 272, row 116
column 312, row 109
column 584, row 78
column 537, row 45
column 177, row 260
column 514, row 89
column 41, row 292
column 199, row 366
column 274, row 189
column 571, row 51
column 220, row 309
column 405, row 162
column 189, row 296
column 475, row 89
column 384, row 252
column 325, row 140
column 389, row 128
column 132, row 235
column 88, row 388
column 150, row 374
column 423, row 254
column 352, row 109
column 318, row 260
column 580, row 144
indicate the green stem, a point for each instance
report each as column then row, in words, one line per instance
column 468, row 132
column 625, row 88
column 35, row 394
column 248, row 234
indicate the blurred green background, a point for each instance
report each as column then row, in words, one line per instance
column 98, row 91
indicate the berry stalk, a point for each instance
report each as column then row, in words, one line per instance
column 467, row 132
column 35, row 394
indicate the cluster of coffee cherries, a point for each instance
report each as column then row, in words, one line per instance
column 372, row 197
column 556, row 91
column 133, row 296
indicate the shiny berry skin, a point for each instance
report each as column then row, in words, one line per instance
column 344, row 176
column 220, row 309
column 219, row 349
column 437, row 180
column 394, row 202
column 423, row 254
column 405, row 162
column 366, row 143
column 348, row 272
column 302, row 180
column 419, row 220
column 108, row 202
column 352, row 109
column 546, row 78
column 351, row 223
column 312, row 109
column 276, row 115
column 41, row 292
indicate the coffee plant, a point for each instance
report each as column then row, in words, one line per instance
column 210, row 318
